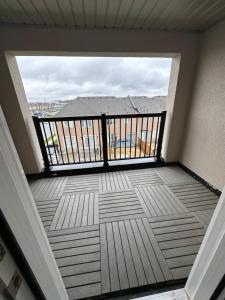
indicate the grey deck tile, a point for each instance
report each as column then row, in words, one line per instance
column 114, row 207
column 82, row 279
column 114, row 181
column 48, row 188
column 179, row 240
column 197, row 199
column 204, row 217
column 82, row 184
column 174, row 175
column 76, row 210
column 144, row 177
column 84, row 291
column 159, row 201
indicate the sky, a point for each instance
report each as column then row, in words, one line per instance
column 62, row 78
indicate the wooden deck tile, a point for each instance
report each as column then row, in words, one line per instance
column 174, row 175
column 77, row 253
column 159, row 201
column 204, row 217
column 195, row 197
column 130, row 256
column 75, row 210
column 119, row 205
column 84, row 291
column 179, row 238
column 144, row 177
column 114, row 181
column 47, row 209
column 48, row 188
column 82, row 184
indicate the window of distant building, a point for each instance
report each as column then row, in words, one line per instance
column 145, row 120
column 86, row 124
column 110, row 121
column 144, row 135
column 89, row 141
column 71, row 142
column 112, row 137
column 68, row 124
column 127, row 120
column 131, row 137
column 147, row 135
column 154, row 133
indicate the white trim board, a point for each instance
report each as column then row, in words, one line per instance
column 209, row 267
column 18, row 207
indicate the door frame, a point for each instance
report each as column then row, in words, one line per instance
column 209, row 269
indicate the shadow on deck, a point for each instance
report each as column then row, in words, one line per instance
column 117, row 231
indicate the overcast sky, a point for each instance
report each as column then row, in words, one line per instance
column 60, row 78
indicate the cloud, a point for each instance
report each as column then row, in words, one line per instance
column 60, row 78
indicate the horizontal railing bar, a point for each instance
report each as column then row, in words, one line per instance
column 98, row 161
column 55, row 119
column 127, row 116
column 60, row 119
column 77, row 163
column 128, row 158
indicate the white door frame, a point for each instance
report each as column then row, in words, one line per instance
column 209, row 265
column 18, row 207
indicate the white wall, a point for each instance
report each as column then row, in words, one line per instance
column 204, row 139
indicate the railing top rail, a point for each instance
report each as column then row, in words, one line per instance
column 58, row 119
column 134, row 115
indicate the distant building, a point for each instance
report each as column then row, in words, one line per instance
column 127, row 137
column 46, row 109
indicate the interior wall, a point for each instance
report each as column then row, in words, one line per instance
column 204, row 140
column 183, row 47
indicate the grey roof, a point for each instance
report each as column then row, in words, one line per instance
column 91, row 106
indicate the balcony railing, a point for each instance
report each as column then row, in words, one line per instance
column 76, row 140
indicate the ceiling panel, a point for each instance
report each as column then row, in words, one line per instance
column 181, row 15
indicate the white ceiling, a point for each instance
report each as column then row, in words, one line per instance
column 182, row 15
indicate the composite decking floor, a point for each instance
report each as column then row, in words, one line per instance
column 127, row 229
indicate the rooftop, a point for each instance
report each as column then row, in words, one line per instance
column 91, row 106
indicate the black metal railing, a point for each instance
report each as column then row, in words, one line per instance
column 75, row 140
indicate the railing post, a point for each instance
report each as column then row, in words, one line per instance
column 41, row 143
column 104, row 140
column 160, row 138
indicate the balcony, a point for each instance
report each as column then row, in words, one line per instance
column 99, row 140
column 116, row 231
column 122, row 231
